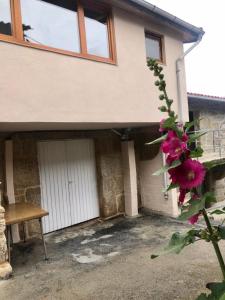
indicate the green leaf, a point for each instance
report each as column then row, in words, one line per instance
column 218, row 212
column 197, row 152
column 169, row 123
column 209, row 198
column 166, row 168
column 193, row 207
column 171, row 187
column 159, row 140
column 212, row 164
column 178, row 241
column 188, row 125
column 221, row 231
column 217, row 292
column 195, row 136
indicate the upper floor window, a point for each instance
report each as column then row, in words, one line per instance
column 154, row 46
column 76, row 27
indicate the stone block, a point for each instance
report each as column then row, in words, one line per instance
column 5, row 270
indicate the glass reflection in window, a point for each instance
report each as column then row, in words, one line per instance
column 96, row 33
column 153, row 46
column 52, row 23
column 5, row 17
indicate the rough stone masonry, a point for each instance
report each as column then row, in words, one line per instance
column 5, row 268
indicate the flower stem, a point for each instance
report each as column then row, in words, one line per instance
column 215, row 243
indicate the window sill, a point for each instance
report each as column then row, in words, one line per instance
column 11, row 40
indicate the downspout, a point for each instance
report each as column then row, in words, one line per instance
column 179, row 61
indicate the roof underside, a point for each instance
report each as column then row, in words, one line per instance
column 199, row 102
column 190, row 32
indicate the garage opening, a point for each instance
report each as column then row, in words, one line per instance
column 68, row 182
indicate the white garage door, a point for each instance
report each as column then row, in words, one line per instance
column 68, row 182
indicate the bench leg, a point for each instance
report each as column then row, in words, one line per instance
column 43, row 239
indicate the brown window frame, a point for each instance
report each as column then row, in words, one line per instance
column 18, row 38
column 160, row 38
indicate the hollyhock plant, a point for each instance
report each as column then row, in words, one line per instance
column 173, row 145
column 187, row 174
column 194, row 219
column 161, row 129
column 190, row 174
column 182, row 195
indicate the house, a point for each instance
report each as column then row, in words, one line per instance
column 209, row 112
column 78, row 105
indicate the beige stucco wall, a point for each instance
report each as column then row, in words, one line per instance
column 40, row 86
column 152, row 188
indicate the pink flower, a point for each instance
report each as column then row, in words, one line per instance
column 188, row 175
column 194, row 219
column 161, row 129
column 173, row 146
column 182, row 196
column 185, row 138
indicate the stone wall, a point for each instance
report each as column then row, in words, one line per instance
column 108, row 165
column 212, row 117
column 213, row 120
column 110, row 175
column 5, row 268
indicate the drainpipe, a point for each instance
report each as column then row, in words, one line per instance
column 178, row 73
column 180, row 101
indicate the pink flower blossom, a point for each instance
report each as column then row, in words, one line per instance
column 185, row 138
column 173, row 146
column 182, row 196
column 188, row 175
column 194, row 219
column 161, row 129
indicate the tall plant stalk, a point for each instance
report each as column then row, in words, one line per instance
column 187, row 174
column 214, row 242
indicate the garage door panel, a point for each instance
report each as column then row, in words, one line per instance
column 68, row 182
column 54, row 185
column 82, row 178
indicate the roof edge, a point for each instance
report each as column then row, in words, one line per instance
column 196, row 96
column 196, row 32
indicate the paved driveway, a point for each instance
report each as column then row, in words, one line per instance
column 110, row 261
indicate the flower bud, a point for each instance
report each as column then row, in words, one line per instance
column 157, row 83
column 160, row 69
column 161, row 97
column 163, row 108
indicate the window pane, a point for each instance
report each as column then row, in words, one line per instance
column 51, row 23
column 153, row 47
column 96, row 33
column 5, row 17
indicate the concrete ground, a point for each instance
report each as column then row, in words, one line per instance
column 110, row 261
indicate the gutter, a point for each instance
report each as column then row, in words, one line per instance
column 179, row 62
column 167, row 17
